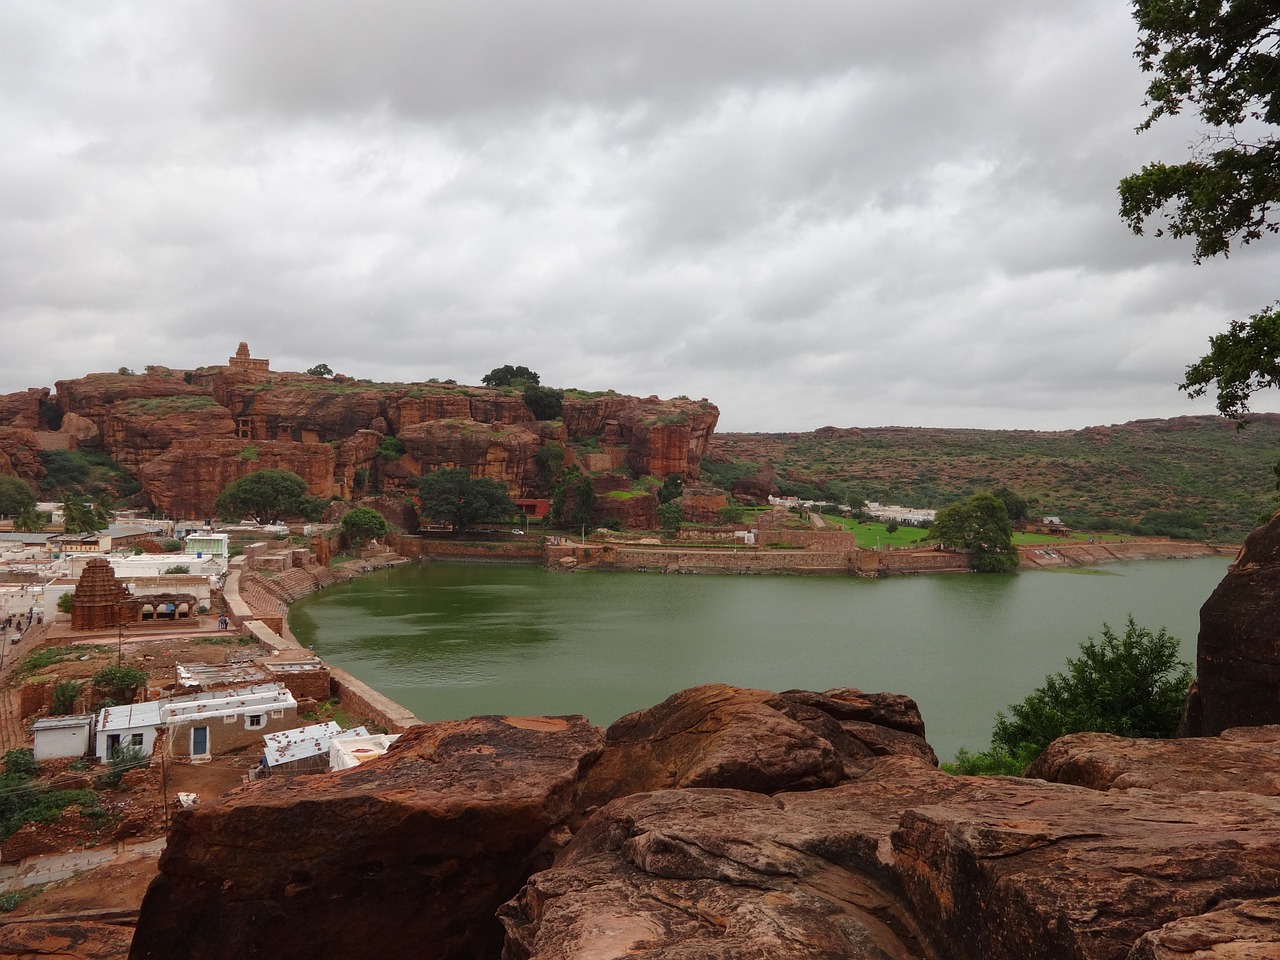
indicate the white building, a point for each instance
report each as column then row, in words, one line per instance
column 57, row 738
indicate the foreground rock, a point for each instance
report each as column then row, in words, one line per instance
column 418, row 849
column 716, row 735
column 1245, row 759
column 64, row 940
column 1238, row 654
column 904, row 861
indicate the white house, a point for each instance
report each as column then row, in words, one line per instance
column 305, row 749
column 62, row 737
column 130, row 725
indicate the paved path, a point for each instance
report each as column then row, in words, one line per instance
column 36, row 870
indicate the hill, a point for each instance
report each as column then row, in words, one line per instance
column 1188, row 476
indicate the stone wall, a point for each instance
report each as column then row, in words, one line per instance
column 421, row 548
column 362, row 701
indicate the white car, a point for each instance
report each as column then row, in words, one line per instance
column 518, row 532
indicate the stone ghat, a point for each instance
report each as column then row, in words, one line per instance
column 729, row 823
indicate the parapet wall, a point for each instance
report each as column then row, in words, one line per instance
column 424, row 548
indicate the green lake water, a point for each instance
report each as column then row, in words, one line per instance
column 456, row 640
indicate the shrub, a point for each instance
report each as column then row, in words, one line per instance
column 66, row 601
column 121, row 762
column 171, row 546
column 249, row 453
column 391, row 449
column 120, row 681
column 21, row 761
column 65, row 694
column 178, row 568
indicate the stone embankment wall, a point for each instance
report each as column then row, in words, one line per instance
column 1076, row 554
column 424, row 548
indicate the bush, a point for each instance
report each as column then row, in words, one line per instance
column 21, row 761
column 65, row 694
column 171, row 546
column 66, row 601
column 121, row 762
column 1132, row 686
column 362, row 525
column 391, row 449
column 120, row 681
column 178, row 568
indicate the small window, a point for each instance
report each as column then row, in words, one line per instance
column 256, row 720
column 135, row 740
column 229, row 718
column 277, row 714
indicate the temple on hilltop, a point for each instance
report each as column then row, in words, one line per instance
column 242, row 361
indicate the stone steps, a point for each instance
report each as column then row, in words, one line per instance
column 14, row 731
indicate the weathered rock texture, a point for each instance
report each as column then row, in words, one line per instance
column 1238, row 658
column 728, row 823
column 20, row 455
column 1245, row 759
column 407, row 857
column 64, row 940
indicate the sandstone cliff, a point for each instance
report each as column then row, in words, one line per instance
column 728, row 823
column 183, row 434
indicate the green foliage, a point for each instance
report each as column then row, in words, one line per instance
column 121, row 761
column 995, row 762
column 31, row 520
column 249, row 453
column 671, row 488
column 125, row 372
column 265, row 495
column 65, row 693
column 51, row 415
column 119, row 680
column 10, row 900
column 545, row 402
column 731, row 514
column 574, row 499
column 391, row 448
column 509, row 376
column 66, row 601
column 1220, row 60
column 362, row 524
column 550, row 460
column 361, row 478
column 1240, row 362
column 1132, row 685
column 320, row 370
column 164, row 406
column 670, row 516
column 22, row 802
column 63, row 469
column 455, row 497
column 980, row 525
column 21, row 761
column 1014, row 505
column 178, row 568
column 171, row 546
column 15, row 497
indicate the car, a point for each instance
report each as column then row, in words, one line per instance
column 518, row 532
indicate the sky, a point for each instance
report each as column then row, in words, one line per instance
column 819, row 212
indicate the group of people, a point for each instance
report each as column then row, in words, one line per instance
column 16, row 621
column 224, row 622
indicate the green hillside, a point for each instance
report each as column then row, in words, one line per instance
column 1190, row 476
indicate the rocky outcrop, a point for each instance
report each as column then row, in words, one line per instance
column 1238, row 655
column 499, row 452
column 723, row 736
column 137, row 432
column 64, row 940
column 726, row 823
column 1246, row 759
column 408, row 856
column 95, row 396
column 22, row 409
column 20, row 455
column 186, row 480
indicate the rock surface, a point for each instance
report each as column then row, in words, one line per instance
column 722, row 736
column 64, row 940
column 1240, row 931
column 418, row 849
column 1246, row 759
column 1238, row 654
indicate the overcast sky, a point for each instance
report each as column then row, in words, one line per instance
column 811, row 213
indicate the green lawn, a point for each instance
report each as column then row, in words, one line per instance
column 867, row 534
column 1030, row 539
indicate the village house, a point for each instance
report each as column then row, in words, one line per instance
column 302, row 750
column 200, row 725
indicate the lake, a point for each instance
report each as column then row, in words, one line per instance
column 456, row 640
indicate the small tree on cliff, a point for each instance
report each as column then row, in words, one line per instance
column 362, row 525
column 509, row 376
column 267, row 495
column 454, row 497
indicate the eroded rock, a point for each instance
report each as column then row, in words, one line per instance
column 418, row 848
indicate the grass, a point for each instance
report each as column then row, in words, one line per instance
column 868, row 533
column 164, row 406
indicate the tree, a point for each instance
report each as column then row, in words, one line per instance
column 1221, row 60
column 981, row 526
column 363, row 524
column 120, row 682
column 509, row 376
column 544, row 402
column 731, row 514
column 30, row 520
column 15, row 496
column 1014, row 505
column 266, row 495
column 79, row 517
column 452, row 495
column 670, row 516
column 320, row 370
column 1132, row 686
column 672, row 487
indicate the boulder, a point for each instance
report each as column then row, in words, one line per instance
column 82, row 431
column 1245, row 759
column 1249, row 930
column 417, row 848
column 23, row 407
column 64, row 940
column 1238, row 655
column 722, row 736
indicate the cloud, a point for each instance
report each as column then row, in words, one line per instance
column 810, row 213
